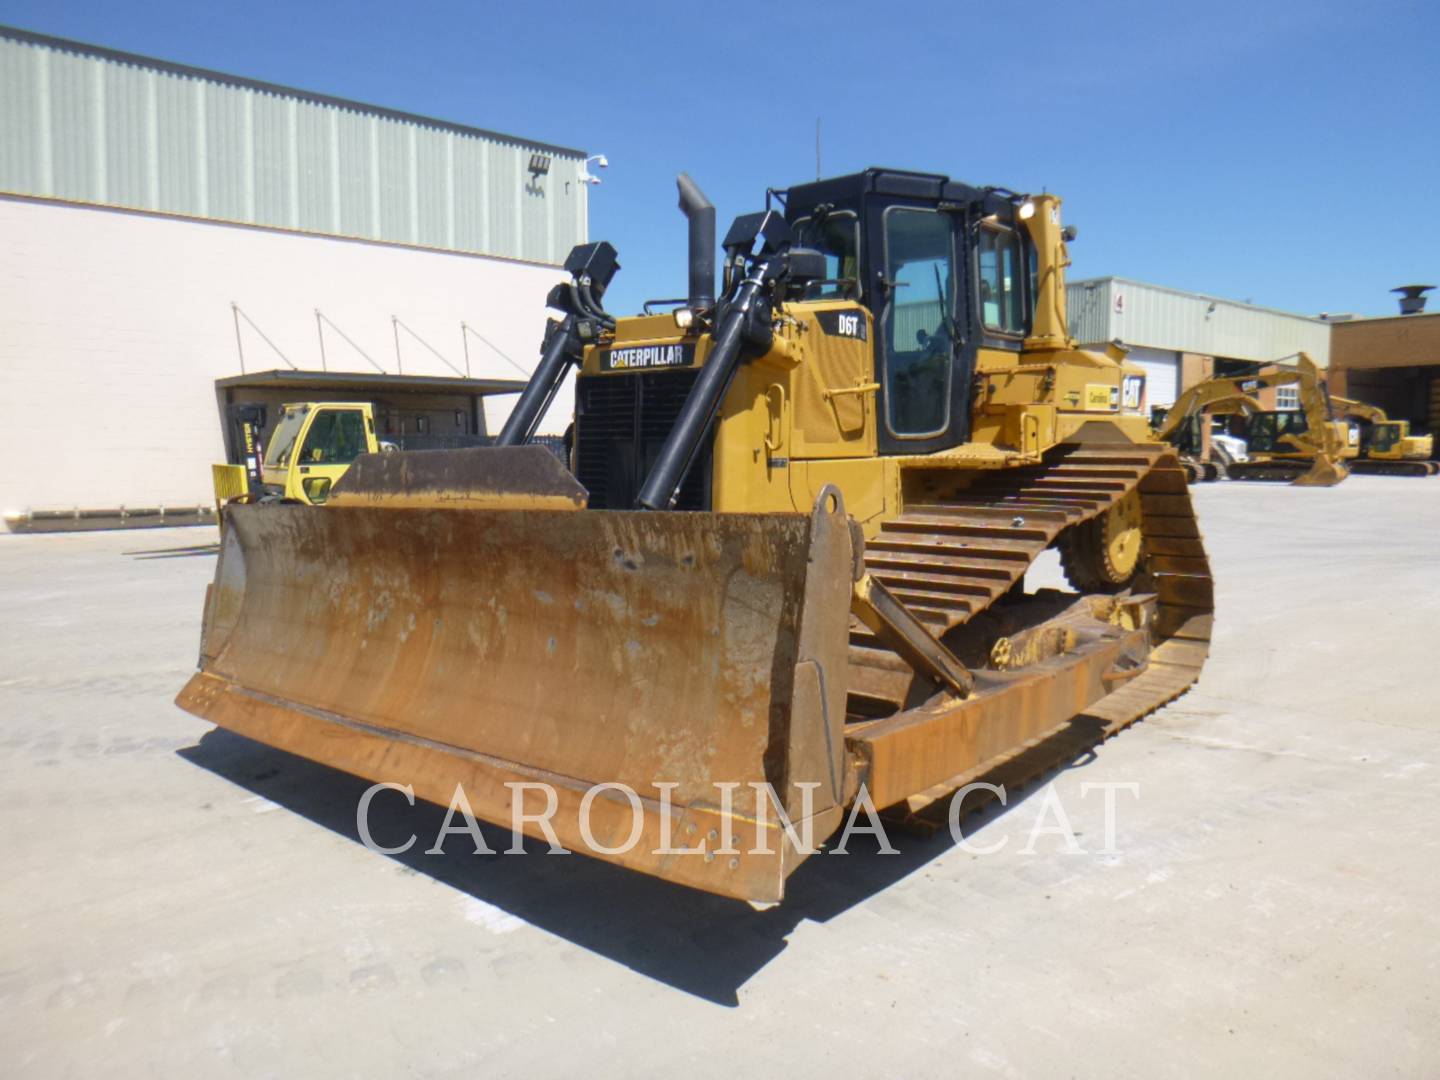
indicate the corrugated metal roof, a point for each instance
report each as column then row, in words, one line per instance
column 87, row 124
column 1136, row 313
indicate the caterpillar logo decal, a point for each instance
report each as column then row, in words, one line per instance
column 849, row 324
column 1134, row 391
column 641, row 357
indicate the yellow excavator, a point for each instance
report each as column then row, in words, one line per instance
column 1386, row 446
column 1307, row 447
column 782, row 581
column 1201, row 457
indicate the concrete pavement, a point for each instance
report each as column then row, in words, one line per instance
column 180, row 901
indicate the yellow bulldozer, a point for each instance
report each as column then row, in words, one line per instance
column 1308, row 446
column 782, row 580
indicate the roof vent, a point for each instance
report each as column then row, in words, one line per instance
column 1412, row 298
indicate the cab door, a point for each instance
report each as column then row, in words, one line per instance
column 924, row 356
column 334, row 437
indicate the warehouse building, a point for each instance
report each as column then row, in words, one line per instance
column 1181, row 338
column 165, row 231
column 1392, row 361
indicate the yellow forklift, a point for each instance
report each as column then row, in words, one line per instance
column 311, row 447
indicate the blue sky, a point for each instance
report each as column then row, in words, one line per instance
column 1280, row 153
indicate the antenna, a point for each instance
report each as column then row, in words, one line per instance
column 817, row 148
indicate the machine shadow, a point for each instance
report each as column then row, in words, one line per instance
column 174, row 553
column 704, row 945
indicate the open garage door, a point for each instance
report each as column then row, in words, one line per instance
column 1405, row 393
column 1162, row 374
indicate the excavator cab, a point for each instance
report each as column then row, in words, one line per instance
column 1387, row 447
column 1381, row 438
column 1265, row 431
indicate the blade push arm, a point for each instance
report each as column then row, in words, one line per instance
column 591, row 266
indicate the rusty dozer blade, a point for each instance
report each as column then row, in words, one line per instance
column 686, row 657
column 477, row 478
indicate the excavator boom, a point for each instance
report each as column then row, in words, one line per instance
column 1308, row 454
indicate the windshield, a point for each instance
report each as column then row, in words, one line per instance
column 1264, row 431
column 836, row 236
column 282, row 443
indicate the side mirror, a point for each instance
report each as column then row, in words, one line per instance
column 1069, row 233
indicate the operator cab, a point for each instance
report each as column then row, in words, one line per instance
column 1382, row 436
column 944, row 268
column 1265, row 431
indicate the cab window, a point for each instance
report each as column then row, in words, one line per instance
column 837, row 237
column 1383, row 437
column 919, row 330
column 282, row 443
column 1264, row 431
column 337, row 437
column 1002, row 307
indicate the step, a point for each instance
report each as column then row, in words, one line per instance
column 1088, row 498
column 940, row 582
column 1102, row 472
column 1017, row 550
column 1117, row 458
column 981, row 508
column 1011, row 505
column 948, row 525
column 978, row 569
column 943, row 603
column 1053, row 482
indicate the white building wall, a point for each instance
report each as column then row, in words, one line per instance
column 114, row 327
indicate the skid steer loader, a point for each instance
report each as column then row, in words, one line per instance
column 784, row 577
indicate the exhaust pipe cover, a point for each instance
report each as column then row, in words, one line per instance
column 700, row 212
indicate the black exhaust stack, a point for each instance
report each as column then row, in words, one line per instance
column 701, row 215
column 743, row 329
column 1412, row 298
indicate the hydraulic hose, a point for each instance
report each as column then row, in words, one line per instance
column 703, row 403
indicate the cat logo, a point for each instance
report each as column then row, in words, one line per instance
column 1134, row 391
column 640, row 357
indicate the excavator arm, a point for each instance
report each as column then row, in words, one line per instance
column 1212, row 395
column 1323, row 442
column 1359, row 410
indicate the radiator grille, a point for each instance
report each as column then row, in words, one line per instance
column 621, row 422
